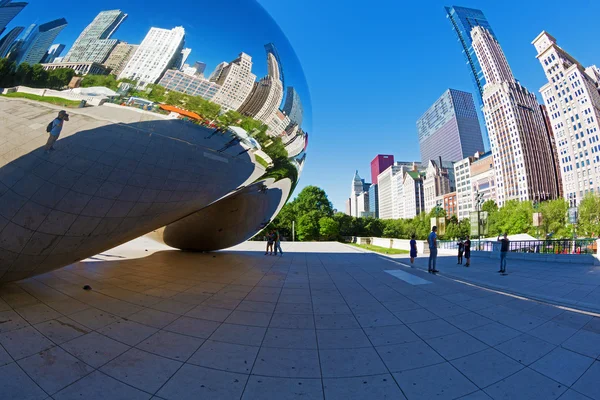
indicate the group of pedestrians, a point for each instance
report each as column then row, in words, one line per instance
column 273, row 242
column 464, row 250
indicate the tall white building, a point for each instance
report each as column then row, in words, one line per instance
column 154, row 56
column 519, row 143
column 573, row 106
column 266, row 96
column 387, row 198
column 181, row 58
column 392, row 194
column 414, row 199
column 236, row 80
column 94, row 44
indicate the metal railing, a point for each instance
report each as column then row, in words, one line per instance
column 560, row 246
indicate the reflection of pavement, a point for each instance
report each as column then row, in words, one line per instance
column 325, row 320
column 572, row 285
column 105, row 184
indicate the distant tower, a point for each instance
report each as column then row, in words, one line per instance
column 380, row 163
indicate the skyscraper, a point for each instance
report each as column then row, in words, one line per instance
column 463, row 20
column 94, row 44
column 266, row 95
column 270, row 48
column 374, row 200
column 39, row 41
column 236, row 80
column 359, row 196
column 380, row 163
column 53, row 52
column 573, row 109
column 9, row 39
column 449, row 128
column 154, row 56
column 8, row 11
column 293, row 106
column 119, row 57
column 522, row 154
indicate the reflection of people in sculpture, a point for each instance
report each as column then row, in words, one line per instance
column 217, row 130
column 229, row 144
column 54, row 128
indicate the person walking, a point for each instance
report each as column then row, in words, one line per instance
column 269, row 243
column 54, row 128
column 413, row 250
column 278, row 244
column 467, row 245
column 461, row 250
column 432, row 240
column 505, row 244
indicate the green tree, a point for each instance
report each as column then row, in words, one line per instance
column 589, row 216
column 313, row 199
column 329, row 228
column 554, row 217
column 490, row 206
column 344, row 223
column 39, row 76
column 156, row 93
column 60, row 77
column 308, row 226
column 23, row 74
column 7, row 72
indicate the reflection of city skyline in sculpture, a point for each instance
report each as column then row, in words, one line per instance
column 155, row 55
column 94, row 44
column 122, row 170
column 39, row 38
column 9, row 10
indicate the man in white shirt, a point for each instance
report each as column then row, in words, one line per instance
column 55, row 129
column 432, row 240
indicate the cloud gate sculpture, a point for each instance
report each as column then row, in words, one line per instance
column 194, row 129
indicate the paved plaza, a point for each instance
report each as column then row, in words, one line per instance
column 324, row 321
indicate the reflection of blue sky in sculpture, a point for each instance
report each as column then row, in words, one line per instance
column 216, row 31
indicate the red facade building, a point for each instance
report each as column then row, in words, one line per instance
column 379, row 164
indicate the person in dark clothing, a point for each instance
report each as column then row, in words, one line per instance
column 461, row 250
column 468, row 251
column 505, row 244
column 413, row 250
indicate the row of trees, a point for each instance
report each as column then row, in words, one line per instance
column 314, row 219
column 33, row 75
column 209, row 111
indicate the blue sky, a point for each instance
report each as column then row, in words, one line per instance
column 372, row 68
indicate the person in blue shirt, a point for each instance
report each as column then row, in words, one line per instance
column 433, row 251
column 413, row 249
column 55, row 129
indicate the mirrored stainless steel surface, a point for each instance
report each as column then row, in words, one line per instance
column 197, row 135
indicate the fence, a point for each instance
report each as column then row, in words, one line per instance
column 562, row 246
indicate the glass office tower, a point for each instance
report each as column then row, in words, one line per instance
column 463, row 20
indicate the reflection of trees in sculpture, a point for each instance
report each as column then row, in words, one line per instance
column 34, row 76
column 589, row 215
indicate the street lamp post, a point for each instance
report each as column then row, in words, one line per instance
column 478, row 204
